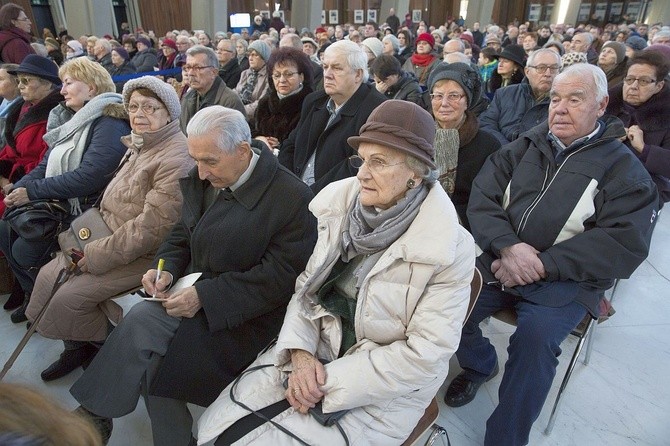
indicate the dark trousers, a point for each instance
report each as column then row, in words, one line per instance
column 25, row 258
column 533, row 356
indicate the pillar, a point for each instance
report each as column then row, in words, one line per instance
column 210, row 15
column 307, row 14
column 479, row 11
column 94, row 17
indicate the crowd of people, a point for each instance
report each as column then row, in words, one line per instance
column 331, row 187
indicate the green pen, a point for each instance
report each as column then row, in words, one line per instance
column 159, row 270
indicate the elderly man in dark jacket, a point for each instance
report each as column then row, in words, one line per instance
column 559, row 214
column 314, row 150
column 520, row 107
column 191, row 344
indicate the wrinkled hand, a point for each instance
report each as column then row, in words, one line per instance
column 183, row 303
column 381, row 86
column 7, row 188
column 518, row 265
column 270, row 141
column 158, row 289
column 636, row 137
column 304, row 382
column 17, row 197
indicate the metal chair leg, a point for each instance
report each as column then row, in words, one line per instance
column 437, row 431
column 566, row 378
column 589, row 343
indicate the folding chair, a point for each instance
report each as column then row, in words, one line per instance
column 427, row 421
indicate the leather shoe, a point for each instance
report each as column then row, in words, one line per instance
column 19, row 315
column 69, row 360
column 16, row 298
column 462, row 390
column 102, row 424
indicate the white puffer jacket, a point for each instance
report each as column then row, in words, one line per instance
column 409, row 314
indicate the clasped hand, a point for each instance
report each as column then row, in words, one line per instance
column 304, row 383
column 183, row 303
column 17, row 197
column 518, row 265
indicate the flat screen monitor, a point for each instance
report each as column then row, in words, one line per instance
column 241, row 20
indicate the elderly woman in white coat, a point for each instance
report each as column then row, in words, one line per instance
column 381, row 303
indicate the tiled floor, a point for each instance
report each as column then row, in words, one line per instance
column 621, row 398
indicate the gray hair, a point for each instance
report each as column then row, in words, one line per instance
column 588, row 36
column 40, row 49
column 105, row 44
column 457, row 57
column 244, row 43
column 291, row 40
column 531, row 59
column 585, row 70
column 212, row 61
column 394, row 42
column 354, row 54
column 461, row 45
column 228, row 126
column 661, row 33
column 423, row 170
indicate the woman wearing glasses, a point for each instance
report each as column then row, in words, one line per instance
column 461, row 147
column 642, row 103
column 15, row 38
column 82, row 154
column 278, row 112
column 140, row 205
column 381, row 302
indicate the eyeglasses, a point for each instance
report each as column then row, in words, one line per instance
column 25, row 80
column 452, row 98
column 147, row 109
column 544, row 68
column 195, row 68
column 374, row 164
column 22, row 19
column 642, row 81
column 286, row 75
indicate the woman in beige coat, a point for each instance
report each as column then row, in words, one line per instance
column 382, row 302
column 140, row 206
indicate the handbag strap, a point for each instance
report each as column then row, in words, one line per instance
column 125, row 159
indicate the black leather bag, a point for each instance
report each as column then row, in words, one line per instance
column 38, row 220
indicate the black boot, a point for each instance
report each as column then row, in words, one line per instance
column 75, row 355
column 102, row 424
column 16, row 298
column 19, row 315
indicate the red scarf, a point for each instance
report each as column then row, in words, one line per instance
column 423, row 60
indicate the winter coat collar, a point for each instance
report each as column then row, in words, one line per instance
column 417, row 244
column 652, row 115
column 155, row 139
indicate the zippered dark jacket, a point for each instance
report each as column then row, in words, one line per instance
column 589, row 211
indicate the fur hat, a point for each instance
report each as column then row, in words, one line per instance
column 163, row 90
column 262, row 48
column 619, row 48
column 569, row 59
column 400, row 125
column 463, row 74
column 375, row 45
column 425, row 37
column 76, row 47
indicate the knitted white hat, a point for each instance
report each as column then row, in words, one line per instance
column 375, row 45
column 162, row 89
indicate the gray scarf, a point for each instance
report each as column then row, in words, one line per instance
column 66, row 151
column 367, row 231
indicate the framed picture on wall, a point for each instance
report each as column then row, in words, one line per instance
column 323, row 16
column 333, row 17
column 358, row 16
column 416, row 15
column 372, row 15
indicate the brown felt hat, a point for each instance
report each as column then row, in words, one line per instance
column 401, row 125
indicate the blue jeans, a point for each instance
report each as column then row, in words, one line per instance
column 533, row 351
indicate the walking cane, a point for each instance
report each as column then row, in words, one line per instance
column 63, row 276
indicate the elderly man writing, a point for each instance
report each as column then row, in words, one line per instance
column 191, row 344
column 559, row 214
column 520, row 107
column 314, row 150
